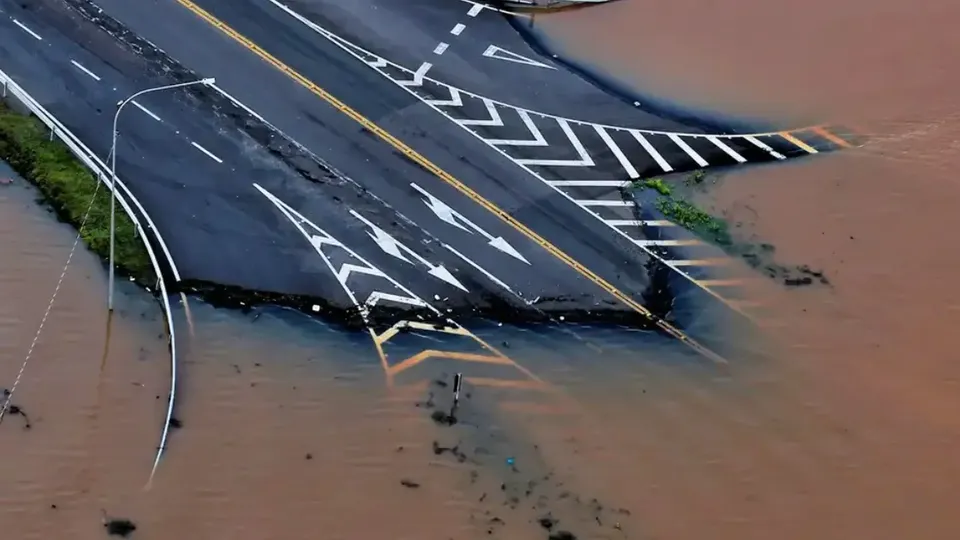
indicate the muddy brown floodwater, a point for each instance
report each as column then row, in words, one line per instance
column 287, row 430
column 854, row 430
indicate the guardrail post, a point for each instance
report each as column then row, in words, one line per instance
column 4, row 89
column 53, row 132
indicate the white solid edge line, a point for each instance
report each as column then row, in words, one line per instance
column 207, row 152
column 480, row 269
column 588, row 183
column 147, row 111
column 603, row 202
column 640, row 222
column 27, row 30
column 85, row 70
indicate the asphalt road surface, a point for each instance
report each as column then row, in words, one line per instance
column 196, row 174
column 399, row 186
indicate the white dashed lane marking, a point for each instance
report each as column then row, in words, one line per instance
column 27, row 30
column 85, row 70
column 147, row 111
column 440, row 48
column 475, row 10
column 207, row 152
column 457, row 29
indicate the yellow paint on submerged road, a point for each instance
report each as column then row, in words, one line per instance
column 446, row 177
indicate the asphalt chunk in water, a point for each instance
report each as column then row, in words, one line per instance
column 409, row 484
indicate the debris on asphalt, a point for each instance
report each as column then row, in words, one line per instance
column 409, row 484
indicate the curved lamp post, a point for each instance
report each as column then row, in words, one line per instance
column 113, row 170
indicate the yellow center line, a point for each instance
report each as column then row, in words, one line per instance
column 445, row 176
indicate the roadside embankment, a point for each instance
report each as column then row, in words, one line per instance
column 70, row 189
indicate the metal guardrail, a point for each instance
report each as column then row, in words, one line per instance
column 102, row 172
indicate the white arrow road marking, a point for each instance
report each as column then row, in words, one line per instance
column 320, row 238
column 451, row 216
column 394, row 247
column 502, row 54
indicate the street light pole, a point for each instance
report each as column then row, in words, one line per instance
column 113, row 172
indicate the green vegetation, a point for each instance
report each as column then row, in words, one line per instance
column 687, row 215
column 696, row 177
column 68, row 187
column 656, row 184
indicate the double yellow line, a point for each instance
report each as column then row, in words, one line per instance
column 445, row 176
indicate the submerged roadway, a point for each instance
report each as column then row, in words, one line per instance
column 386, row 154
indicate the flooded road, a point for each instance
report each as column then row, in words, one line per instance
column 858, row 414
column 288, row 430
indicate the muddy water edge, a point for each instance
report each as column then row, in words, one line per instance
column 284, row 426
column 853, row 425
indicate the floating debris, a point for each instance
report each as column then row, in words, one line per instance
column 119, row 527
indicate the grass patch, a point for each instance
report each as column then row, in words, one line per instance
column 67, row 185
column 656, row 184
column 688, row 216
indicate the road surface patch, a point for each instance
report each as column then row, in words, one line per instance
column 450, row 180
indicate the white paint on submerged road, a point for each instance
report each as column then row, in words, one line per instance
column 763, row 146
column 79, row 66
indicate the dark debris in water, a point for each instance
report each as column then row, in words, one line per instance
column 120, row 527
column 443, row 418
